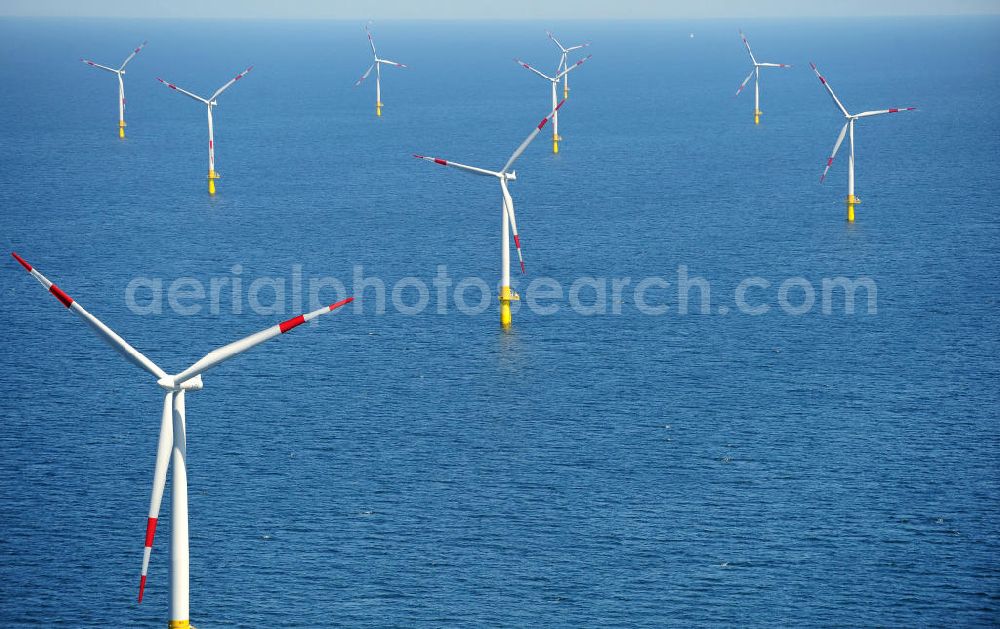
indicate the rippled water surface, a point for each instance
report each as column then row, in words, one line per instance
column 430, row 470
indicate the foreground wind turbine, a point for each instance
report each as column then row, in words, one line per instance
column 849, row 126
column 120, row 72
column 562, row 60
column 755, row 75
column 377, row 66
column 172, row 445
column 209, row 102
column 505, row 174
column 554, row 81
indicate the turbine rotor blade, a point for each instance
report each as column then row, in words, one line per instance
column 539, row 73
column 134, row 53
column 745, row 81
column 774, row 65
column 828, row 89
column 235, row 348
column 185, row 92
column 98, row 66
column 553, row 38
column 879, row 112
column 371, row 41
column 508, row 205
column 471, row 169
column 163, row 447
column 531, row 136
column 747, row 44
column 836, row 147
column 109, row 336
column 230, row 83
column 365, row 75
column 572, row 67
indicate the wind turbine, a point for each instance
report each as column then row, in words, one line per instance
column 209, row 102
column 554, row 81
column 120, row 72
column 172, row 443
column 508, row 221
column 849, row 126
column 377, row 66
column 562, row 60
column 755, row 75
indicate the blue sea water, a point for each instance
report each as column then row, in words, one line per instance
column 432, row 470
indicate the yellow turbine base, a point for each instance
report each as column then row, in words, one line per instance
column 851, row 202
column 565, row 92
column 121, row 131
column 506, row 296
column 555, row 145
column 756, row 116
column 179, row 624
column 211, row 186
column 378, row 109
column 505, row 318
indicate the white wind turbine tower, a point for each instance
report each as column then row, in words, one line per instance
column 564, row 52
column 172, row 443
column 755, row 75
column 209, row 102
column 848, row 128
column 554, row 81
column 120, row 73
column 377, row 66
column 508, row 221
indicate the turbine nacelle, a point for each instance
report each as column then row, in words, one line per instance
column 511, row 176
column 169, row 383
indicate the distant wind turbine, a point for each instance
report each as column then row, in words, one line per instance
column 508, row 221
column 120, row 73
column 377, row 66
column 755, row 75
column 849, row 127
column 562, row 60
column 210, row 102
column 554, row 81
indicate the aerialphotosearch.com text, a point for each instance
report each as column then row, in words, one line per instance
column 681, row 293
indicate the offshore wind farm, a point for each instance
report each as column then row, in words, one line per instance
column 704, row 397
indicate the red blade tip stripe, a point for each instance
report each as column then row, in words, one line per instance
column 150, row 531
column 294, row 322
column 522, row 268
column 61, row 296
column 440, row 161
column 285, row 326
column 142, row 586
column 21, row 261
column 342, row 302
column 517, row 241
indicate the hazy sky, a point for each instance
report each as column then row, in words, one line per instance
column 504, row 9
